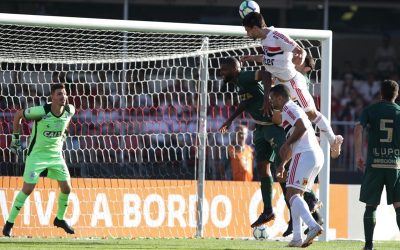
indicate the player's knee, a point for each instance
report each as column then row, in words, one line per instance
column 289, row 195
column 27, row 191
column 66, row 190
column 371, row 208
column 28, row 188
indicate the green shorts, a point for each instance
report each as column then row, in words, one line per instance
column 372, row 185
column 267, row 142
column 56, row 168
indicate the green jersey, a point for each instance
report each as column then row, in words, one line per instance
column 48, row 129
column 382, row 121
column 251, row 91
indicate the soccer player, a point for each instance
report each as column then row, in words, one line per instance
column 302, row 147
column 44, row 152
column 382, row 120
column 312, row 201
column 281, row 54
column 267, row 137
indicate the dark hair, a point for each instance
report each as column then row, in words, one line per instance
column 254, row 19
column 56, row 86
column 231, row 61
column 309, row 62
column 280, row 90
column 389, row 90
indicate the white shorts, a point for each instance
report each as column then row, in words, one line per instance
column 299, row 92
column 303, row 169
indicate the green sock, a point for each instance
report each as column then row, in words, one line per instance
column 266, row 192
column 398, row 216
column 62, row 205
column 369, row 224
column 18, row 204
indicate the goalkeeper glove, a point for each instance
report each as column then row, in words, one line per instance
column 15, row 145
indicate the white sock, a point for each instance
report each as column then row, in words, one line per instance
column 300, row 206
column 324, row 126
column 296, row 221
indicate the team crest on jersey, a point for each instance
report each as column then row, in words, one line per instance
column 245, row 96
column 305, row 182
column 272, row 143
column 58, row 124
column 32, row 175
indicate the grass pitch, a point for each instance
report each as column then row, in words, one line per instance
column 212, row 244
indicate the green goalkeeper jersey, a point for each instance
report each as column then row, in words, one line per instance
column 48, row 130
column 251, row 91
column 382, row 121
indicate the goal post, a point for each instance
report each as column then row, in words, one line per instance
column 149, row 102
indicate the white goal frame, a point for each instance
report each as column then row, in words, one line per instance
column 325, row 36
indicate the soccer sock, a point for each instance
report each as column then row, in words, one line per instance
column 62, row 205
column 266, row 192
column 398, row 216
column 298, row 204
column 324, row 127
column 296, row 221
column 18, row 204
column 369, row 224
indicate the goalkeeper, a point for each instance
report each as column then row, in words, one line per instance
column 44, row 152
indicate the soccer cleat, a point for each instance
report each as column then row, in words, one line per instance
column 64, row 225
column 317, row 217
column 371, row 247
column 295, row 243
column 336, row 146
column 263, row 218
column 7, row 229
column 289, row 230
column 312, row 233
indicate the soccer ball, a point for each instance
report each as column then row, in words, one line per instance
column 248, row 6
column 260, row 233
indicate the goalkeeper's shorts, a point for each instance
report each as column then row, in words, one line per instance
column 56, row 168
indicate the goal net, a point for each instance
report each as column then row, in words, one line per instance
column 135, row 149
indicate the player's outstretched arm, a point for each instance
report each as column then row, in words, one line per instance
column 224, row 128
column 358, row 131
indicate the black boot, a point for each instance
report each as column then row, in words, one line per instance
column 7, row 229
column 64, row 225
column 263, row 218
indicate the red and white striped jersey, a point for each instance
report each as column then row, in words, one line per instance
column 291, row 112
column 278, row 54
